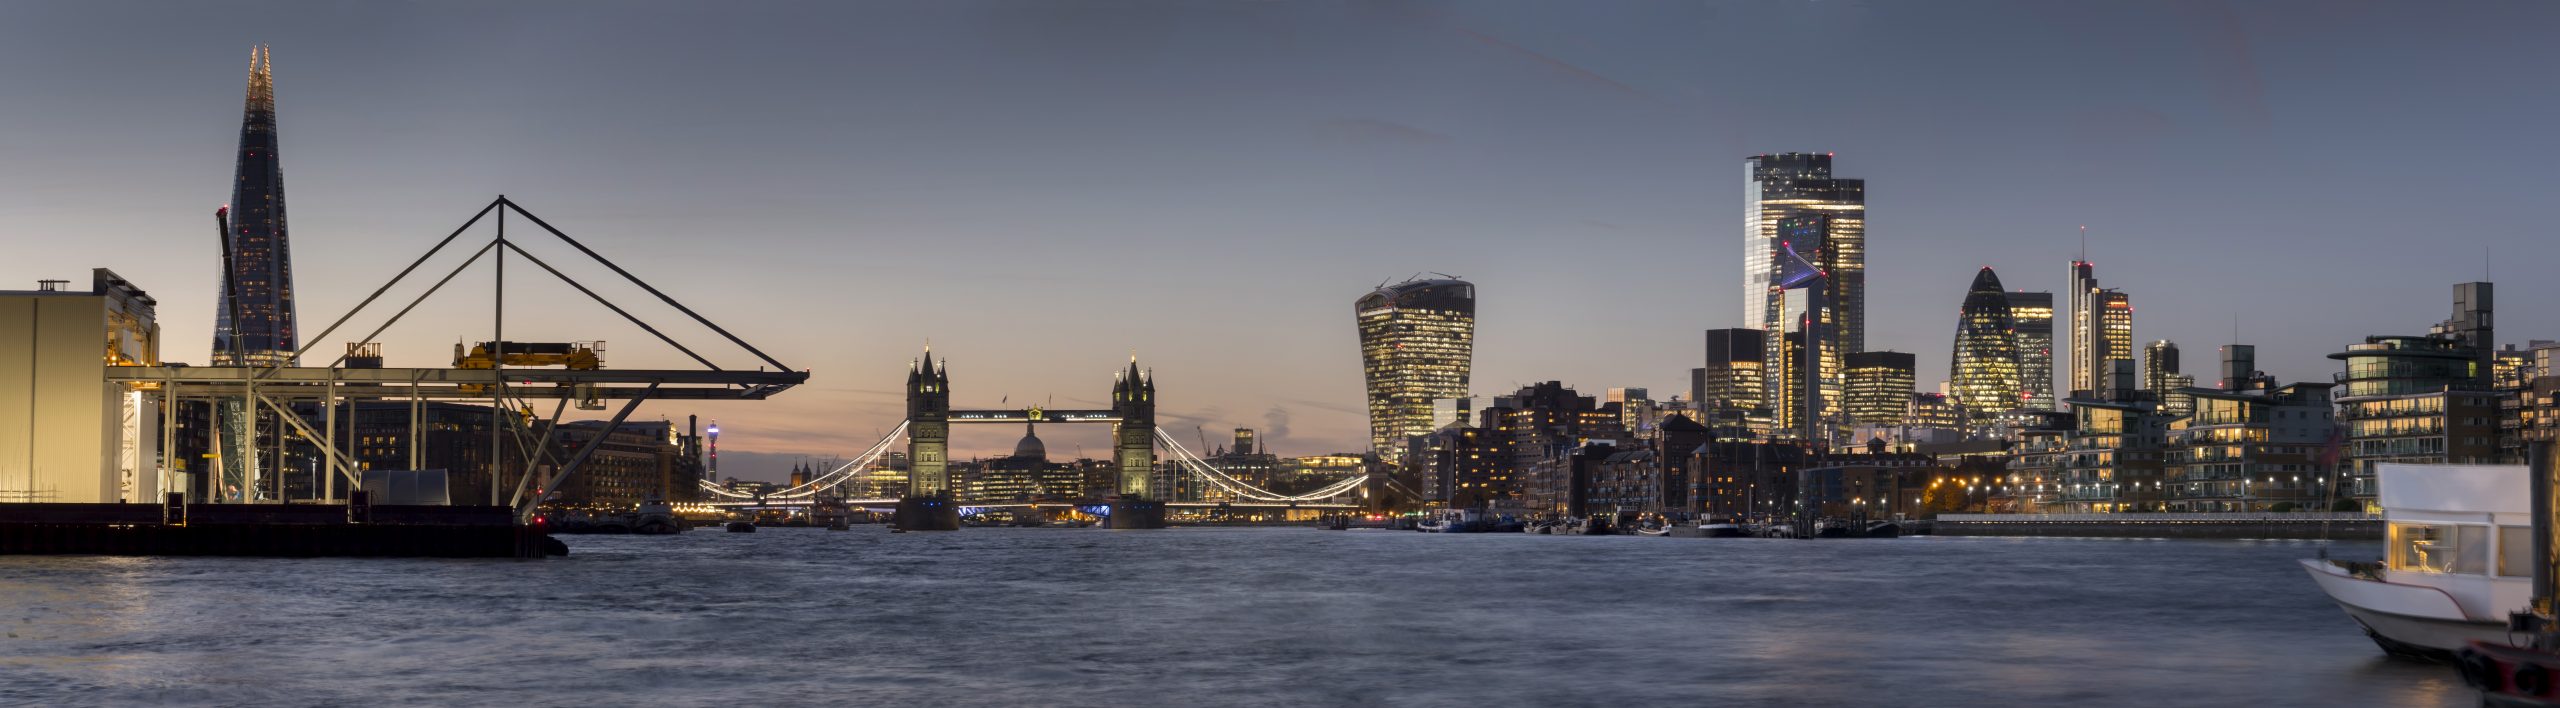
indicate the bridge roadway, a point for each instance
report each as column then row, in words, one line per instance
column 968, row 508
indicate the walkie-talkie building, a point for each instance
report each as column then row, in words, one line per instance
column 1417, row 344
column 253, row 315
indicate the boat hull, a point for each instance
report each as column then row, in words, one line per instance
column 2413, row 621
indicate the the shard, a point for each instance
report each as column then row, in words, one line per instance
column 253, row 318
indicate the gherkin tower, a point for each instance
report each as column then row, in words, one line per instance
column 1985, row 372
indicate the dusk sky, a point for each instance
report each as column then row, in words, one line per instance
column 1040, row 188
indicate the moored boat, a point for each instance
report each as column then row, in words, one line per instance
column 1722, row 529
column 2458, row 558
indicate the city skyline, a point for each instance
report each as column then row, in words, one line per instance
column 387, row 159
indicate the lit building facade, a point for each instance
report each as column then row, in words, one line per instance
column 1417, row 345
column 2031, row 316
column 1985, row 369
column 2412, row 399
column 2252, row 451
column 253, row 315
column 69, row 436
column 1880, row 385
column 1788, row 380
column 2112, row 459
column 2079, row 374
column 1731, row 391
column 2431, row 398
column 2160, row 374
column 1785, row 185
column 1935, row 410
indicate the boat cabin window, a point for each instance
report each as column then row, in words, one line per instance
column 2515, row 551
column 2440, row 548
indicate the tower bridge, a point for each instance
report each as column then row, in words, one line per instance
column 929, row 504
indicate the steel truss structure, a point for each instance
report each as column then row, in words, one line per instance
column 276, row 387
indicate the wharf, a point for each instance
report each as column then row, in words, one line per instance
column 273, row 530
column 2309, row 525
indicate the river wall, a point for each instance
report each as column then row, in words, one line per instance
column 2313, row 525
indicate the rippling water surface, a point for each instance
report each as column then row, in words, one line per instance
column 1191, row 617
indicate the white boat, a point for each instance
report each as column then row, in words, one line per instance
column 2458, row 558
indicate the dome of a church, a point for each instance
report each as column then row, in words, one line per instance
column 1030, row 448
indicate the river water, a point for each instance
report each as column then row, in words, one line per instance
column 1210, row 617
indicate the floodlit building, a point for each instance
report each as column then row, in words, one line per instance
column 1417, row 344
column 66, row 435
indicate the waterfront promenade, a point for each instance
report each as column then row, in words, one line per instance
column 2301, row 525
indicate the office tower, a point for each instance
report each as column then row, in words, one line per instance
column 1805, row 404
column 2472, row 328
column 1985, row 371
column 2031, row 316
column 1417, row 343
column 2239, row 366
column 2077, row 375
column 2101, row 328
column 253, row 316
column 1792, row 184
column 2159, row 362
column 1880, row 387
column 2111, row 334
column 1807, row 292
column 2160, row 374
column 1731, row 391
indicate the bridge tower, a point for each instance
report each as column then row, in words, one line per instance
column 1133, row 448
column 928, row 504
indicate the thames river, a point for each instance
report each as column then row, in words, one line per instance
column 1209, row 617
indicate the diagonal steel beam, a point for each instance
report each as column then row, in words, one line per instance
column 386, row 287
column 541, row 450
column 644, row 285
column 608, row 304
column 346, row 464
column 525, row 508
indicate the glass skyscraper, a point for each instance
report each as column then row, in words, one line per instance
column 1985, row 372
column 1417, row 343
column 253, row 316
column 2031, row 316
column 1792, row 184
